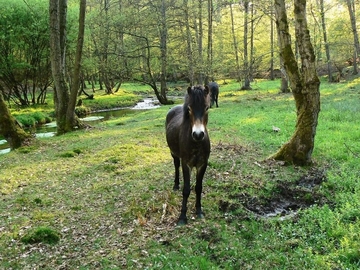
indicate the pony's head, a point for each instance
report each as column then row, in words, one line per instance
column 197, row 103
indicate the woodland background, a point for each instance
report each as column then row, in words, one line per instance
column 156, row 42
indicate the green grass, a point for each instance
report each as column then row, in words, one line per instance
column 106, row 192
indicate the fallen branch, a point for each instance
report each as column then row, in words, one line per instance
column 352, row 152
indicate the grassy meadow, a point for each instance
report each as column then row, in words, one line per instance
column 102, row 198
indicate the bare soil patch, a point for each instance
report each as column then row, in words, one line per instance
column 288, row 194
column 289, row 197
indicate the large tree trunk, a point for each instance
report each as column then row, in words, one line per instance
column 305, row 85
column 66, row 119
column 58, row 10
column 10, row 129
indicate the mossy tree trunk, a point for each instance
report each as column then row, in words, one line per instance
column 10, row 129
column 304, row 83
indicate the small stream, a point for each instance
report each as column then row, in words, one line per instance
column 49, row 129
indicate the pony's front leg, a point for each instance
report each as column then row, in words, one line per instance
column 186, row 192
column 177, row 173
column 198, row 189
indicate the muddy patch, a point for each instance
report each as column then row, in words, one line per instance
column 262, row 189
column 287, row 197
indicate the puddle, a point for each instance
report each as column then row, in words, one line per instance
column 92, row 118
column 4, row 147
column 51, row 125
column 5, row 151
column 45, row 134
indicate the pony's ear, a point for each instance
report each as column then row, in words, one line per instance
column 189, row 90
column 206, row 90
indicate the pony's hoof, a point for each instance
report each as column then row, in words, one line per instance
column 176, row 188
column 200, row 215
column 181, row 222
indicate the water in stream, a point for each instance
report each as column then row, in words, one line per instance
column 49, row 130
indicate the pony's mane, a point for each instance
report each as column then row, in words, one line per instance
column 197, row 96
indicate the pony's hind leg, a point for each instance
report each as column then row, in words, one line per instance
column 177, row 173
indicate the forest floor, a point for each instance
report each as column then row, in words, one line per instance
column 102, row 198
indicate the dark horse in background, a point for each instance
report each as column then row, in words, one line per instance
column 214, row 93
column 189, row 142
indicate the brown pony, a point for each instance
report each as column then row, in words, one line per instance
column 189, row 142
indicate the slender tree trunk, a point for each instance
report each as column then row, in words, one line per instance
column 9, row 127
column 72, row 120
column 327, row 49
column 351, row 8
column 305, row 84
column 246, row 85
column 105, row 66
column 209, row 74
column 200, row 79
column 251, row 63
column 235, row 44
column 188, row 43
column 284, row 86
column 272, row 45
column 163, row 50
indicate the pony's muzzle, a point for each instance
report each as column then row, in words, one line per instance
column 198, row 132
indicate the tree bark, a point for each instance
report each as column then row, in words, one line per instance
column 199, row 37
column 163, row 49
column 304, row 83
column 246, row 83
column 236, row 49
column 209, row 74
column 9, row 127
column 58, row 10
column 327, row 49
column 66, row 119
column 272, row 77
column 351, row 8
column 189, row 49
column 71, row 118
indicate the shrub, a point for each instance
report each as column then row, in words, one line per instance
column 41, row 235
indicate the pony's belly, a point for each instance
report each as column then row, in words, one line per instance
column 198, row 156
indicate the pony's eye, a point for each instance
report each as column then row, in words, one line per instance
column 189, row 109
column 206, row 108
